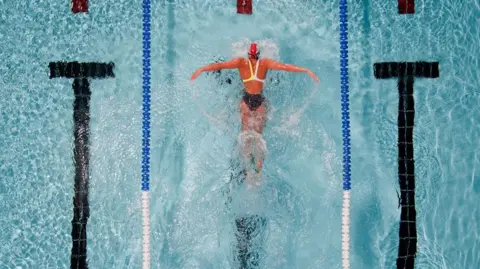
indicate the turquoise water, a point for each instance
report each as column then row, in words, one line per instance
column 191, row 226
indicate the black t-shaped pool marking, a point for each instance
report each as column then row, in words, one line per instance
column 80, row 72
column 405, row 72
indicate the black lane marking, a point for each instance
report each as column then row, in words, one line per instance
column 80, row 72
column 406, row 72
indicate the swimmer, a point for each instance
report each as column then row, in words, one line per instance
column 253, row 72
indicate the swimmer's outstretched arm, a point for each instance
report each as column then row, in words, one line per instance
column 274, row 65
column 235, row 63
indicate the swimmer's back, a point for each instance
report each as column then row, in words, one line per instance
column 253, row 86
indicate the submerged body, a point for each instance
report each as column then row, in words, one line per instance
column 253, row 109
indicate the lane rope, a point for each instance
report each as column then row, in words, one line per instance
column 146, row 135
column 345, row 134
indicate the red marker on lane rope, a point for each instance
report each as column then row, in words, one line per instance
column 244, row 7
column 79, row 6
column 406, row 6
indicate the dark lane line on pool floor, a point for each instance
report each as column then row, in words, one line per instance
column 405, row 73
column 81, row 73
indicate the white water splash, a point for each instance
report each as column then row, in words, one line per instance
column 290, row 119
column 268, row 48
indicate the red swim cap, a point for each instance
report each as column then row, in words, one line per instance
column 253, row 51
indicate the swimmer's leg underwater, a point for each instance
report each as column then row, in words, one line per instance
column 253, row 149
column 249, row 228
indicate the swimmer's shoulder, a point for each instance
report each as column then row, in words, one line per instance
column 241, row 61
column 266, row 62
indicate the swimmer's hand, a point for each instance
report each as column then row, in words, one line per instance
column 313, row 76
column 196, row 74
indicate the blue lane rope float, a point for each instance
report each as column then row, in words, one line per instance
column 344, row 87
column 146, row 97
column 345, row 134
column 146, row 135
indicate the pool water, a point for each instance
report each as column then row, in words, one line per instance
column 192, row 221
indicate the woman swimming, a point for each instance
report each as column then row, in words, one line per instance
column 252, row 106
